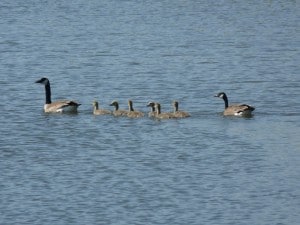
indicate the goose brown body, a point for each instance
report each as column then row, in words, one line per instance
column 63, row 106
column 235, row 110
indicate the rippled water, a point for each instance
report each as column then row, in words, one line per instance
column 206, row 169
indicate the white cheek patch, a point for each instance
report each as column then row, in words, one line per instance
column 240, row 113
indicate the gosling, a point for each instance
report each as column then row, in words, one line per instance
column 152, row 109
column 160, row 115
column 98, row 111
column 117, row 111
column 132, row 113
column 178, row 113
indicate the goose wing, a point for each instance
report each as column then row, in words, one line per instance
column 247, row 107
column 239, row 110
column 62, row 106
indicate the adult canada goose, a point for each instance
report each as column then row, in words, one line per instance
column 98, row 111
column 152, row 112
column 178, row 113
column 117, row 111
column 235, row 110
column 160, row 115
column 132, row 113
column 64, row 106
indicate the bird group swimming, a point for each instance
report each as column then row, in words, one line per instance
column 68, row 106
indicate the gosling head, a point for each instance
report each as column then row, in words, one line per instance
column 114, row 103
column 151, row 104
column 175, row 104
column 95, row 104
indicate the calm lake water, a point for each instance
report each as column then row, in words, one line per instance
column 206, row 169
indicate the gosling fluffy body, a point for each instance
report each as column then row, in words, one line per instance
column 160, row 115
column 132, row 113
column 98, row 111
column 117, row 111
column 178, row 113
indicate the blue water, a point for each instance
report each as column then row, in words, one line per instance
column 206, row 169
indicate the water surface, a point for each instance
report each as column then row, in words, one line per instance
column 207, row 169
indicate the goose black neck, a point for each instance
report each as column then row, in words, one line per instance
column 175, row 104
column 48, row 93
column 131, row 108
column 158, row 109
column 226, row 101
column 152, row 109
column 176, row 108
column 116, row 106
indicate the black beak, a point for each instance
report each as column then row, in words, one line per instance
column 42, row 80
